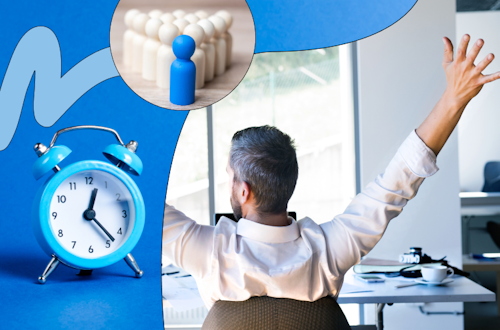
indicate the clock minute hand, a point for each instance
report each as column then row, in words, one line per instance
column 104, row 230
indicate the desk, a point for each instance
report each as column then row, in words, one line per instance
column 461, row 290
column 477, row 204
column 474, row 265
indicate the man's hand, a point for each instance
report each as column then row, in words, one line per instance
column 464, row 81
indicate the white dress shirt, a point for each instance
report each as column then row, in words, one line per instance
column 304, row 260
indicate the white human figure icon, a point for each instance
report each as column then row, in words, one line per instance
column 191, row 18
column 150, row 49
column 220, row 44
column 168, row 18
column 167, row 33
column 209, row 48
column 155, row 13
column 128, row 36
column 139, row 40
column 201, row 14
column 228, row 18
column 179, row 13
column 181, row 24
column 198, row 34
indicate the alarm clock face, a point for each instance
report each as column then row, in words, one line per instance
column 113, row 208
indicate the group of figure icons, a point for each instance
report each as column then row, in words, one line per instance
column 180, row 51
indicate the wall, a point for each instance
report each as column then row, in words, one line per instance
column 400, row 80
column 478, row 131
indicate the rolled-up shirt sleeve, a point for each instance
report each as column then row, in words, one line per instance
column 354, row 233
column 187, row 244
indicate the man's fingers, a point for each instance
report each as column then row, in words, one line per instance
column 448, row 51
column 462, row 47
column 485, row 62
column 489, row 78
column 471, row 56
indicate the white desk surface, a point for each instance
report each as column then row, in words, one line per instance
column 460, row 290
column 479, row 203
column 479, row 198
column 484, row 210
column 471, row 265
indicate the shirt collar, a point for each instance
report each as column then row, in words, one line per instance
column 268, row 234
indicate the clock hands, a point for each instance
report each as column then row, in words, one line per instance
column 104, row 230
column 89, row 214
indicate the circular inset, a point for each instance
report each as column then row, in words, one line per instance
column 141, row 37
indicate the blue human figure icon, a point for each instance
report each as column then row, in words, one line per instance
column 183, row 71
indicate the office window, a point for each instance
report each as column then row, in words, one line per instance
column 188, row 180
column 301, row 94
column 306, row 94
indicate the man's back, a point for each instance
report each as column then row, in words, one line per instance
column 304, row 260
column 253, row 260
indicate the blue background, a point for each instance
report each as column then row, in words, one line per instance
column 112, row 298
column 284, row 25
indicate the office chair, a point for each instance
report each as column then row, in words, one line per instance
column 492, row 184
column 266, row 313
column 491, row 177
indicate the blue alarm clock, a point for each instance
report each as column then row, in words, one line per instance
column 89, row 214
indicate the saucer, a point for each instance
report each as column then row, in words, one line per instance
column 422, row 281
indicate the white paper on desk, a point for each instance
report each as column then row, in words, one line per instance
column 189, row 283
column 349, row 288
column 171, row 270
column 180, row 297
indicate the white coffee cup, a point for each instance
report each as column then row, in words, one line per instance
column 435, row 272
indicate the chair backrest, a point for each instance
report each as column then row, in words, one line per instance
column 266, row 313
column 491, row 177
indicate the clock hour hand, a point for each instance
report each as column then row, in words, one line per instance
column 104, row 230
column 92, row 199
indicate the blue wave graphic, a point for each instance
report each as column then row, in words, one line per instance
column 38, row 53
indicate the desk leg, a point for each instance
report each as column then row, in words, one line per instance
column 379, row 317
column 467, row 220
column 498, row 292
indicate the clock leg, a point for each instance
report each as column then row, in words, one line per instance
column 54, row 262
column 129, row 259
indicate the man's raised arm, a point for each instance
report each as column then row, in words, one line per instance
column 355, row 232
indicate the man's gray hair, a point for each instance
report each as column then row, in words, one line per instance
column 265, row 158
